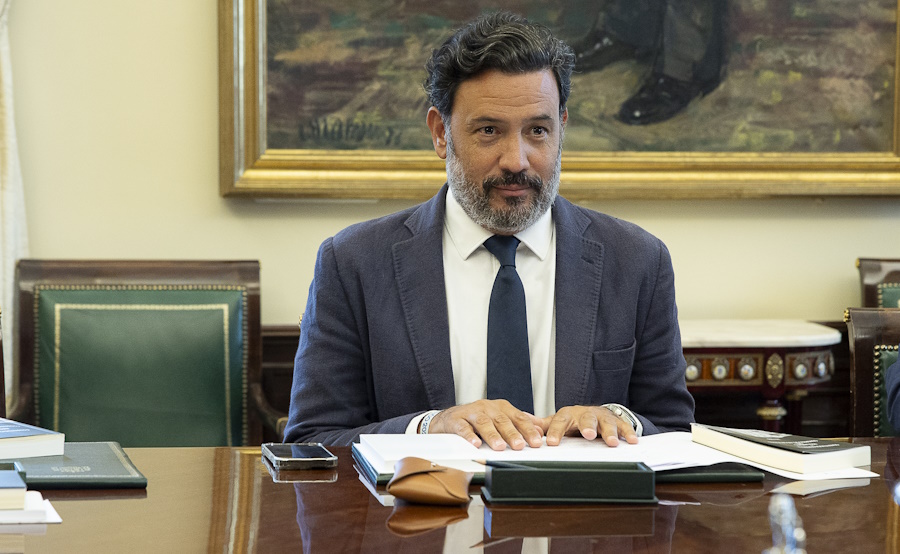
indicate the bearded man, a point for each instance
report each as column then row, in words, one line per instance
column 497, row 310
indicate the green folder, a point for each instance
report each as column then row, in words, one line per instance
column 83, row 465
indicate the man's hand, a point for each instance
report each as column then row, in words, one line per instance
column 496, row 422
column 589, row 421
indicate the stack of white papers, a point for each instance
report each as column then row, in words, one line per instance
column 660, row 452
column 37, row 510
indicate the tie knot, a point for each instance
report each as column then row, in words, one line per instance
column 503, row 248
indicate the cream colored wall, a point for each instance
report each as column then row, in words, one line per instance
column 116, row 107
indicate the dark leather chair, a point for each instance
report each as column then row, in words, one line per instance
column 145, row 353
column 879, row 281
column 874, row 334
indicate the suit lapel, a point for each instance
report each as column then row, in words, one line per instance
column 419, row 270
column 579, row 268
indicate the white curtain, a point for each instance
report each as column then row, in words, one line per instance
column 13, row 231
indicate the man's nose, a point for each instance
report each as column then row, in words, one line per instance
column 514, row 156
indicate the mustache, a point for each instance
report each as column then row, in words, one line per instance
column 510, row 178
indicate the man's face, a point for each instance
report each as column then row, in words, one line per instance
column 503, row 147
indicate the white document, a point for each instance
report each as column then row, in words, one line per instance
column 37, row 510
column 659, row 452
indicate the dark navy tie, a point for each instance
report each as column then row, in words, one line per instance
column 508, row 363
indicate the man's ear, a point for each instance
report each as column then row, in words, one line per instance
column 438, row 132
column 564, row 118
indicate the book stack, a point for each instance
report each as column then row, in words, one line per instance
column 12, row 491
column 22, row 441
column 19, row 505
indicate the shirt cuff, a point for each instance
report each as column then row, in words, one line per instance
column 630, row 418
column 413, row 427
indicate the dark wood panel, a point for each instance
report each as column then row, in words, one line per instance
column 825, row 408
column 279, row 348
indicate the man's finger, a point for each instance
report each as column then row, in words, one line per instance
column 509, row 431
column 527, row 425
column 559, row 424
column 487, row 430
column 450, row 421
column 626, row 431
column 464, row 430
column 587, row 425
column 609, row 430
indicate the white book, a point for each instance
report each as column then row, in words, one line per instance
column 783, row 451
column 20, row 440
column 378, row 453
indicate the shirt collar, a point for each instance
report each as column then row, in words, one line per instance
column 466, row 235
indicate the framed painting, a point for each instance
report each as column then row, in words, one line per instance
column 778, row 97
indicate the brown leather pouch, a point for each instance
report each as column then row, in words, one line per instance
column 424, row 482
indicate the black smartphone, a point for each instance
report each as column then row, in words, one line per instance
column 303, row 455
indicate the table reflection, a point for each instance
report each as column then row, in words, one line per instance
column 398, row 526
column 695, row 517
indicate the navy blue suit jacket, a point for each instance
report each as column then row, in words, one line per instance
column 374, row 346
column 892, row 384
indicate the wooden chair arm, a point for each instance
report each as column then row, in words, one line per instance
column 22, row 407
column 272, row 419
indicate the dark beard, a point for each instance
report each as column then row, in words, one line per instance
column 520, row 212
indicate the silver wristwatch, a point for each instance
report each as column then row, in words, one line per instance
column 626, row 415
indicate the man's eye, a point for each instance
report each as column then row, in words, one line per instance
column 488, row 130
column 539, row 131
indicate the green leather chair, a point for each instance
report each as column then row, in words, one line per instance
column 874, row 335
column 879, row 281
column 145, row 353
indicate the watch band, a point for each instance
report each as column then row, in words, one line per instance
column 627, row 416
column 426, row 421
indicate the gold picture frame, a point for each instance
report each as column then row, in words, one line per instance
column 249, row 169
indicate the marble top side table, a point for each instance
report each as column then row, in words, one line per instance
column 778, row 359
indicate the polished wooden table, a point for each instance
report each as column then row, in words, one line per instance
column 224, row 499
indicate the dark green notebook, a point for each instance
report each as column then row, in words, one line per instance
column 84, row 465
column 568, row 482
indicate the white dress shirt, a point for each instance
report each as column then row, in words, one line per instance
column 469, row 272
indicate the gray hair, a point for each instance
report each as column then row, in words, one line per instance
column 503, row 41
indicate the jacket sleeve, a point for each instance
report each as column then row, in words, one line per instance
column 892, row 383
column 332, row 399
column 658, row 390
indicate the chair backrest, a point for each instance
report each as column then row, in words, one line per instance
column 874, row 334
column 145, row 353
column 879, row 281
